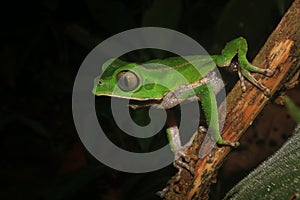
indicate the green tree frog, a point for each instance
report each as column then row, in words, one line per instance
column 124, row 80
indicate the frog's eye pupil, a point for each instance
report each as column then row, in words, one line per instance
column 128, row 80
column 100, row 82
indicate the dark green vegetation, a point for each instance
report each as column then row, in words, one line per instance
column 276, row 178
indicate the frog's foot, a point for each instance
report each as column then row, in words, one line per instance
column 202, row 130
column 180, row 163
column 243, row 68
column 210, row 158
column 208, row 145
column 231, row 144
column 222, row 142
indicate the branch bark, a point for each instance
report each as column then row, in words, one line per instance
column 280, row 53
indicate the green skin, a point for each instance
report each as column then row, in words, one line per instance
column 133, row 81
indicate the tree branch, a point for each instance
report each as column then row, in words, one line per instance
column 280, row 53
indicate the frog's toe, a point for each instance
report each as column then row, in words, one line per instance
column 268, row 72
column 232, row 144
column 210, row 158
column 179, row 164
column 228, row 143
column 267, row 92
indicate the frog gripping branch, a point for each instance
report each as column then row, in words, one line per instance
column 129, row 80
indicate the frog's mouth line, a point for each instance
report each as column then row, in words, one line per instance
column 143, row 100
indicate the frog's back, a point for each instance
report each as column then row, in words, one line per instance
column 192, row 67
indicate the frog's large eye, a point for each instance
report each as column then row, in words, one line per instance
column 128, row 80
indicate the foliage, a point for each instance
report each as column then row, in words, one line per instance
column 276, row 178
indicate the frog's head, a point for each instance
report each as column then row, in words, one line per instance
column 119, row 79
column 130, row 81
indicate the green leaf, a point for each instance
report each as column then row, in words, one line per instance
column 276, row 178
column 293, row 109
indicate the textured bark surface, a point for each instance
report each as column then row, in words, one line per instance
column 280, row 53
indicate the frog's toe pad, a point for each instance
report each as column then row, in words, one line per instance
column 232, row 144
column 235, row 144
column 268, row 72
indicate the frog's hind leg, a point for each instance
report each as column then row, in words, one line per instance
column 238, row 47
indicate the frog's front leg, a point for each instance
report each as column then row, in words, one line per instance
column 181, row 159
column 238, row 47
column 177, row 147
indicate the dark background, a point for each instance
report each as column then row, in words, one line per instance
column 42, row 46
